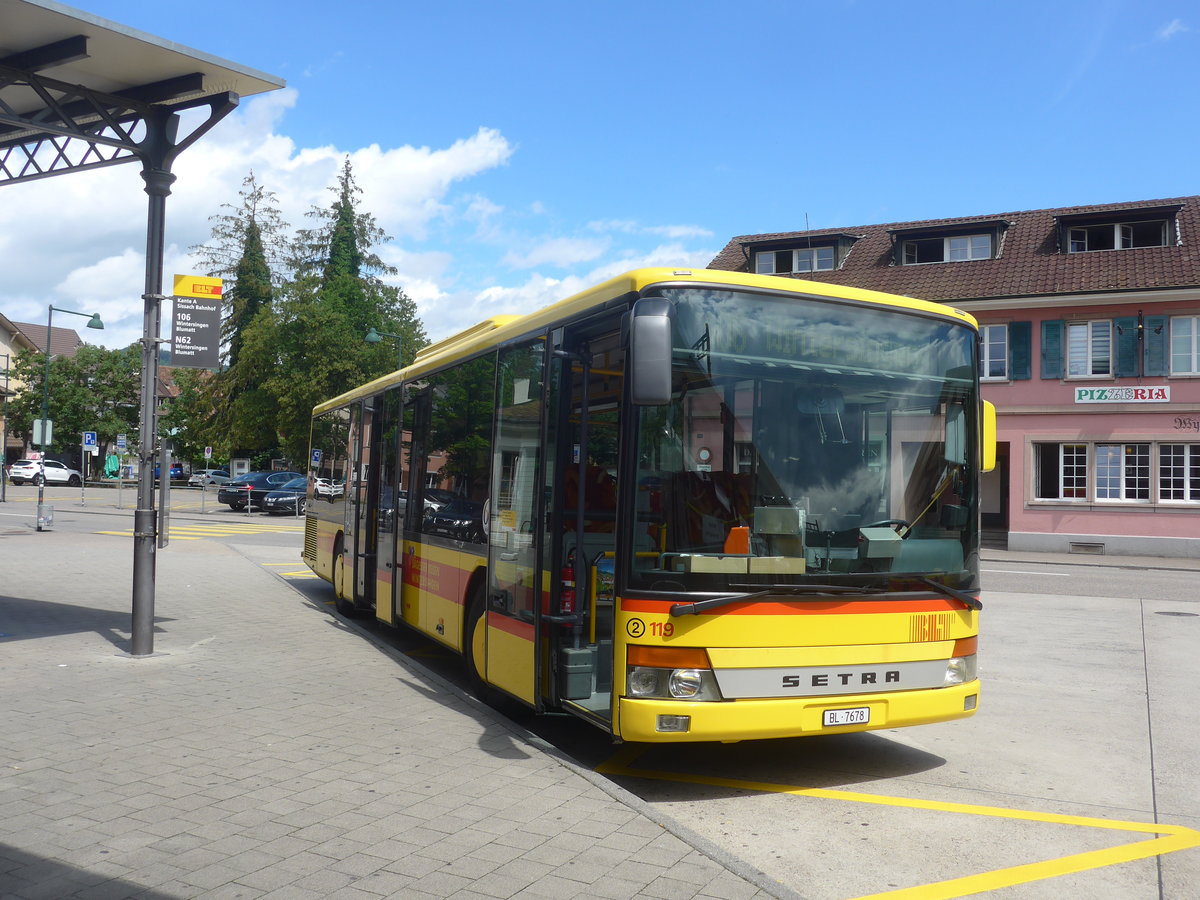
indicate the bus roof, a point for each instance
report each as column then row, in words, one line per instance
column 498, row 329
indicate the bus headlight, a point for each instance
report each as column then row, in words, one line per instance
column 646, row 682
column 960, row 670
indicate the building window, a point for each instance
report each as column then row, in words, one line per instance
column 1089, row 348
column 949, row 249
column 1117, row 472
column 1061, row 471
column 1122, row 471
column 1185, row 345
column 993, row 351
column 1117, row 236
column 1179, row 472
column 786, row 262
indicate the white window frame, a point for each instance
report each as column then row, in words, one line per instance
column 1187, row 462
column 969, row 247
column 1094, row 329
column 1191, row 342
column 764, row 260
column 1122, row 235
column 1072, row 458
column 990, row 335
column 1111, row 474
column 1119, row 468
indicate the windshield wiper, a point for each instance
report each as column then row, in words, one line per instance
column 953, row 593
column 700, row 606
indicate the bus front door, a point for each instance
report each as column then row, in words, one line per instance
column 586, row 481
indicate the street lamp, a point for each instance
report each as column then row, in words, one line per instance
column 374, row 337
column 94, row 322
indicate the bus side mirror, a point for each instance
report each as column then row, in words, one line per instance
column 650, row 351
column 988, row 454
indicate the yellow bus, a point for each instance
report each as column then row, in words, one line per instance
column 682, row 505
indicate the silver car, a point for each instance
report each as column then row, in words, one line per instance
column 29, row 471
column 209, row 476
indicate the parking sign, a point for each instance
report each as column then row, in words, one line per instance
column 89, row 439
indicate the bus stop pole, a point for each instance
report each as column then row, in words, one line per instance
column 158, row 187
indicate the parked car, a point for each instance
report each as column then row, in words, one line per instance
column 252, row 488
column 461, row 519
column 29, row 471
column 326, row 488
column 176, row 471
column 287, row 499
column 436, row 498
column 209, row 476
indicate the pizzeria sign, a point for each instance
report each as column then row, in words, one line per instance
column 1160, row 394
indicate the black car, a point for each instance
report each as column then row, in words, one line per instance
column 287, row 499
column 253, row 488
column 460, row 518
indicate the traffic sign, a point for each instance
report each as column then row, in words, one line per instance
column 316, row 457
column 121, row 442
column 89, row 439
column 208, row 452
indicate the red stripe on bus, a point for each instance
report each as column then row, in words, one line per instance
column 512, row 626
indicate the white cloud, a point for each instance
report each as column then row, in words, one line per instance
column 1171, row 29
column 78, row 241
column 558, row 252
column 628, row 226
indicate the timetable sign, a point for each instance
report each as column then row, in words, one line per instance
column 196, row 335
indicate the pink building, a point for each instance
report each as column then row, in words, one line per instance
column 1090, row 349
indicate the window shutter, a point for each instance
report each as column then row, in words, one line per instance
column 1052, row 347
column 1127, row 346
column 1156, row 345
column 1020, row 351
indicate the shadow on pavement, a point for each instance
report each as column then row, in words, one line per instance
column 24, row 619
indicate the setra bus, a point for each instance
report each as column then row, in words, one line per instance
column 682, row 505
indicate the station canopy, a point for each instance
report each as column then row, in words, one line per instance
column 78, row 91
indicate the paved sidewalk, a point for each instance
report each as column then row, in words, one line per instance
column 269, row 750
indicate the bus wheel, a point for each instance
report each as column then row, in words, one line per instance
column 344, row 604
column 474, row 643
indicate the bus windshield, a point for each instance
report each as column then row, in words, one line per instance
column 808, row 441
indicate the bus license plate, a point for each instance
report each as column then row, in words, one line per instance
column 859, row 715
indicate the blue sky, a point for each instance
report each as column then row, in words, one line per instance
column 518, row 151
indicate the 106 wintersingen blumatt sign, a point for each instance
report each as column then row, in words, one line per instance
column 196, row 330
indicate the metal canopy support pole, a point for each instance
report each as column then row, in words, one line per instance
column 160, row 132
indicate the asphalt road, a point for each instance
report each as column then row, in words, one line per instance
column 1078, row 777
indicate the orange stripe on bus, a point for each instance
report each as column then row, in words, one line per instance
column 804, row 608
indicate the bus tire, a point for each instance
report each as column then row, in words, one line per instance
column 343, row 603
column 474, row 642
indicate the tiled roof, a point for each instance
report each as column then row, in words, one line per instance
column 1031, row 262
column 64, row 341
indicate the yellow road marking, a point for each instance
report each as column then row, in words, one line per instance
column 196, row 532
column 1176, row 837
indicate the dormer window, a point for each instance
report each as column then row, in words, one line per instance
column 947, row 249
column 957, row 242
column 787, row 262
column 1126, row 229
column 1117, row 236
